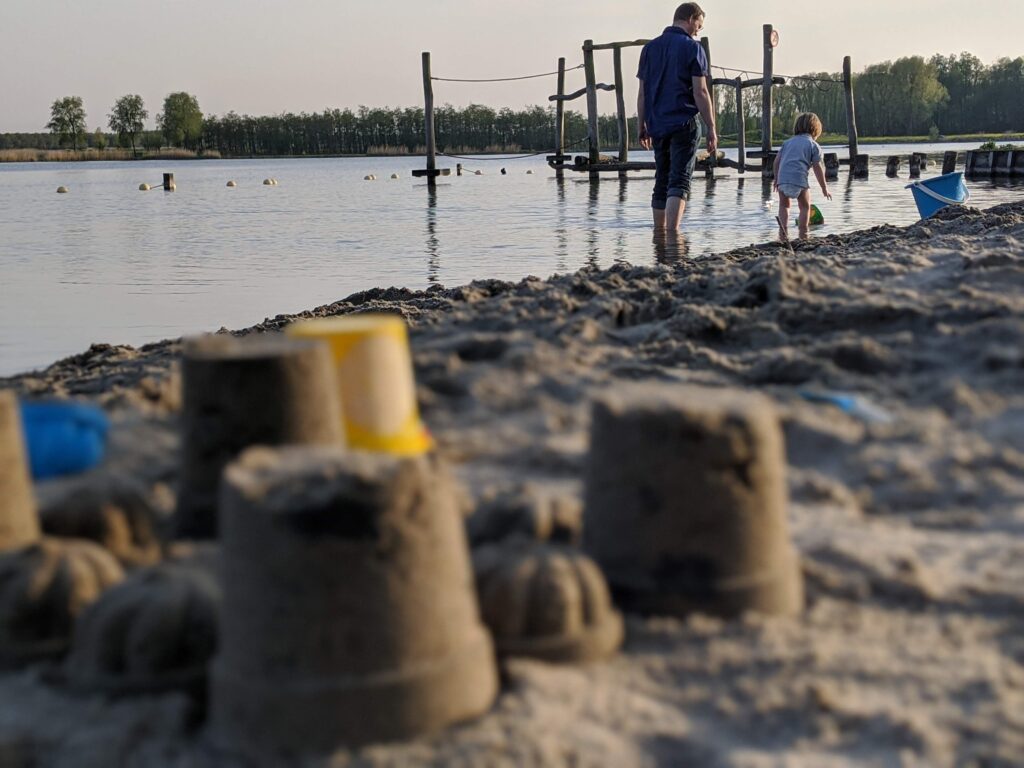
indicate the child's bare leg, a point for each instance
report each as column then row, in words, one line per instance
column 783, row 216
column 804, row 219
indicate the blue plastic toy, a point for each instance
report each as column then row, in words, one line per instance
column 63, row 437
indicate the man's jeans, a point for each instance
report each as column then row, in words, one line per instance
column 674, row 158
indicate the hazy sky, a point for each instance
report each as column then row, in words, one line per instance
column 271, row 56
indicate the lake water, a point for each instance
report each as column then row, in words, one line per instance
column 108, row 263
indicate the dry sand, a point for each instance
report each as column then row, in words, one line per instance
column 909, row 518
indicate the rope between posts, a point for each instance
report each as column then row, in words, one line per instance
column 747, row 73
column 501, row 79
column 513, row 157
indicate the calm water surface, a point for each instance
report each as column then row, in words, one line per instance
column 109, row 263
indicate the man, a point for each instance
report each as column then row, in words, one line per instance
column 673, row 92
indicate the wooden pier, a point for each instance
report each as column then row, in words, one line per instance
column 594, row 163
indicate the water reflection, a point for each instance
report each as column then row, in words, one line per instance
column 561, row 229
column 670, row 246
column 433, row 244
column 594, row 226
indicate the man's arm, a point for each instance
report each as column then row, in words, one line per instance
column 707, row 111
column 775, row 170
column 645, row 138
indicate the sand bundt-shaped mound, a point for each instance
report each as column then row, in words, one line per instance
column 154, row 632
column 545, row 601
column 115, row 515
column 43, row 588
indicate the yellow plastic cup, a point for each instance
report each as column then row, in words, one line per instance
column 378, row 391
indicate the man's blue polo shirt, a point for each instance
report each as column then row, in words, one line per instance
column 668, row 65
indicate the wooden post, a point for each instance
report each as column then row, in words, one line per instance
column 766, row 103
column 851, row 113
column 949, row 161
column 620, row 106
column 742, row 132
column 892, row 166
column 458, row 169
column 428, row 120
column 860, row 167
column 831, row 166
column 915, row 165
column 169, row 185
column 592, row 121
column 560, row 120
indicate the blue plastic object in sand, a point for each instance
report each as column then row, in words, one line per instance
column 62, row 437
column 934, row 194
column 855, row 405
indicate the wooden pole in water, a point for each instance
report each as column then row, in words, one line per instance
column 949, row 161
column 742, row 132
column 592, row 121
column 851, row 114
column 766, row 103
column 169, row 184
column 560, row 120
column 620, row 107
column 428, row 120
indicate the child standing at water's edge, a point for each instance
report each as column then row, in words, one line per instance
column 796, row 158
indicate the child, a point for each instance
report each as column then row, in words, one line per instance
column 797, row 156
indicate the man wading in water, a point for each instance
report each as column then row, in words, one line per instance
column 672, row 93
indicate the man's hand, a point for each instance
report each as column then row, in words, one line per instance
column 826, row 193
column 712, row 141
column 645, row 138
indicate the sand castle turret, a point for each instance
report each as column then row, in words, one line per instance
column 266, row 390
column 349, row 613
column 19, row 523
column 686, row 502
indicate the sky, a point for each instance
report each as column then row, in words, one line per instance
column 263, row 57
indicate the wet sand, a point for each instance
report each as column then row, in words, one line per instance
column 908, row 513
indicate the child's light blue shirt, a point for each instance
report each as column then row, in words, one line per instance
column 796, row 157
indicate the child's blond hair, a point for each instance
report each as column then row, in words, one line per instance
column 810, row 123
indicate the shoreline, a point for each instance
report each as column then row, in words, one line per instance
column 910, row 529
column 93, row 155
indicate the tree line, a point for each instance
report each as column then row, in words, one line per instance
column 911, row 96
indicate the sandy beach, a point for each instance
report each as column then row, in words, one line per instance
column 907, row 509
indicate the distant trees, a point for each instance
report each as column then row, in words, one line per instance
column 67, row 119
column 126, row 119
column 181, row 121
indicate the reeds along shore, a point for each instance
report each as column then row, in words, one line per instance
column 81, row 155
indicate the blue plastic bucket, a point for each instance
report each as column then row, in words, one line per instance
column 934, row 194
column 63, row 437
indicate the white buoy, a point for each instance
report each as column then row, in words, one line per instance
column 61, row 190
column 232, row 183
column 478, row 173
column 144, row 187
column 268, row 182
column 369, row 177
column 394, row 176
column 529, row 171
column 273, row 181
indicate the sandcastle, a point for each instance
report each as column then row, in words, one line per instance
column 240, row 392
column 19, row 524
column 685, row 506
column 349, row 613
column 546, row 601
